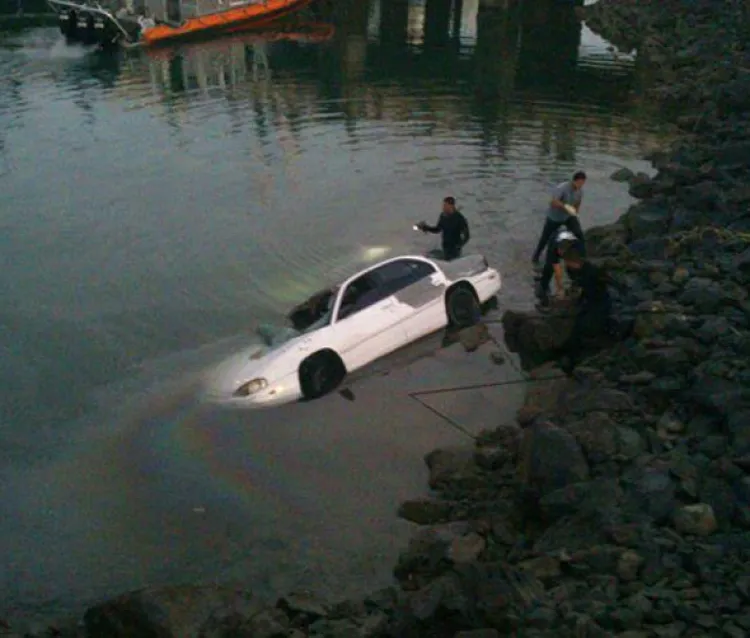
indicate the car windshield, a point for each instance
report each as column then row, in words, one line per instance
column 315, row 312
column 274, row 336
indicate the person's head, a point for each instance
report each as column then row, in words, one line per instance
column 579, row 179
column 565, row 240
column 449, row 205
column 572, row 257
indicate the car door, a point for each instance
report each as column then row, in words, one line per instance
column 419, row 292
column 366, row 323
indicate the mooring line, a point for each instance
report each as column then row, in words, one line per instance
column 445, row 417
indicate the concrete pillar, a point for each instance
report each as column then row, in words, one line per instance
column 394, row 20
column 496, row 50
column 353, row 33
column 551, row 36
column 458, row 6
column 437, row 22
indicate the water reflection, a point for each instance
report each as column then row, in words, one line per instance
column 489, row 54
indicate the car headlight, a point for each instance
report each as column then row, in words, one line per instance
column 251, row 387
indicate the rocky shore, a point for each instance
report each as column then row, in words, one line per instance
column 620, row 505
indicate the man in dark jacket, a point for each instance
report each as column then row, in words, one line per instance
column 454, row 228
column 594, row 306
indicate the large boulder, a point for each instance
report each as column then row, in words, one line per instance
column 454, row 466
column 171, row 612
column 550, row 458
column 646, row 218
column 535, row 337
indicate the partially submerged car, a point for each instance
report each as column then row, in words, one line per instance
column 341, row 329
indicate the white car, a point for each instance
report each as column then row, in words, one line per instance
column 341, row 329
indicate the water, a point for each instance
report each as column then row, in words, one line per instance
column 156, row 206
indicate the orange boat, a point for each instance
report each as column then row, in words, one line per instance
column 305, row 32
column 153, row 22
column 257, row 14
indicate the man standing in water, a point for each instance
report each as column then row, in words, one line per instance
column 563, row 211
column 454, row 227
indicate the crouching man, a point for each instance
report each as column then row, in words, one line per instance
column 561, row 241
column 593, row 308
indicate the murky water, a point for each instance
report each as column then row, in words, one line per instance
column 155, row 206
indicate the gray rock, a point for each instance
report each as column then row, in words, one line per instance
column 474, row 336
column 499, row 589
column 424, row 511
column 672, row 630
column 451, row 465
column 466, row 549
column 535, row 337
column 738, row 426
column 629, row 443
column 541, row 618
column 622, row 175
column 325, row 628
column 584, row 497
column 643, row 377
column 720, row 496
column 651, row 491
column 705, row 294
column 478, row 633
column 303, row 603
column 733, row 155
column 589, row 397
column 543, row 568
column 713, row 329
column 550, row 458
column 716, row 395
column 695, row 519
column 629, row 565
column 646, row 218
column 271, row 623
column 713, row 446
column 641, row 186
column 663, row 361
column 492, row 457
column 446, row 592
column 169, row 612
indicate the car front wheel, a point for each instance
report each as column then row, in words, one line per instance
column 320, row 374
column 463, row 307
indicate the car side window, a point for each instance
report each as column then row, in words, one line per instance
column 358, row 295
column 397, row 275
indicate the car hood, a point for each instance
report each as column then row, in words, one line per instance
column 464, row 266
column 270, row 362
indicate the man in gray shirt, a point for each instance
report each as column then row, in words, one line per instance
column 563, row 211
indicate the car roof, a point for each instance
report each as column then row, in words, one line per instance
column 364, row 271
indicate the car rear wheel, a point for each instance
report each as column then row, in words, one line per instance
column 463, row 307
column 320, row 374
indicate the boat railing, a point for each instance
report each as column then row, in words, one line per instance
column 94, row 8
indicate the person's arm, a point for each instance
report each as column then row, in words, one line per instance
column 557, row 196
column 465, row 234
column 437, row 228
